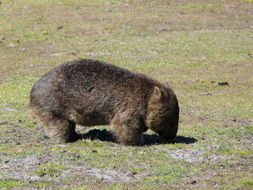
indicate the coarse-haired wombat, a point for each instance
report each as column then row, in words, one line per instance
column 90, row 92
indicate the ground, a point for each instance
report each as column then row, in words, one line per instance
column 202, row 48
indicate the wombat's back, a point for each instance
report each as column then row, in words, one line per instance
column 90, row 88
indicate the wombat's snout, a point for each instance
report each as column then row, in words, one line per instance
column 168, row 132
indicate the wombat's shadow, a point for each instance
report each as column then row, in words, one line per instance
column 148, row 139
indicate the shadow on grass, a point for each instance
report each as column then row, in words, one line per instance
column 105, row 135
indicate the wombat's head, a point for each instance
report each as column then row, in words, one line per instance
column 163, row 112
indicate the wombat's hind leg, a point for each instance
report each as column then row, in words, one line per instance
column 61, row 130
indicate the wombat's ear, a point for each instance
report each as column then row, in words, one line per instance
column 166, row 84
column 157, row 94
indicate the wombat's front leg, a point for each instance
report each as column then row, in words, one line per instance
column 61, row 130
column 127, row 132
column 126, row 135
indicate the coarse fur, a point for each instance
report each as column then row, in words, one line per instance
column 90, row 92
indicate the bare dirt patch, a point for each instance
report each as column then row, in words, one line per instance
column 190, row 155
column 24, row 169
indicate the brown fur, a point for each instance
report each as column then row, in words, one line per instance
column 89, row 92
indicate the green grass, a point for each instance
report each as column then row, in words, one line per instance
column 51, row 169
column 200, row 5
column 80, row 188
column 10, row 183
column 247, row 182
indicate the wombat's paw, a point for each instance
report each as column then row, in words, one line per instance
column 73, row 137
column 137, row 141
column 130, row 143
column 59, row 140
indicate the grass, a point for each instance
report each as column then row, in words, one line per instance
column 200, row 5
column 52, row 169
column 9, row 184
column 190, row 45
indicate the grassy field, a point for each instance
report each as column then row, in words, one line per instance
column 194, row 45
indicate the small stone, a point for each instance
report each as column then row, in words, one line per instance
column 94, row 151
column 55, row 54
column 10, row 45
column 46, row 137
column 3, row 122
column 42, row 174
column 5, row 166
column 126, row 27
column 31, row 66
column 62, row 146
column 134, row 173
column 223, row 83
column 78, row 156
column 59, row 27
column 206, row 94
column 161, row 28
column 221, row 165
column 193, row 182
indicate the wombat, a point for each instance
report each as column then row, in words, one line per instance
column 90, row 92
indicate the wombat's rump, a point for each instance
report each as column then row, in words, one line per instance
column 90, row 92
